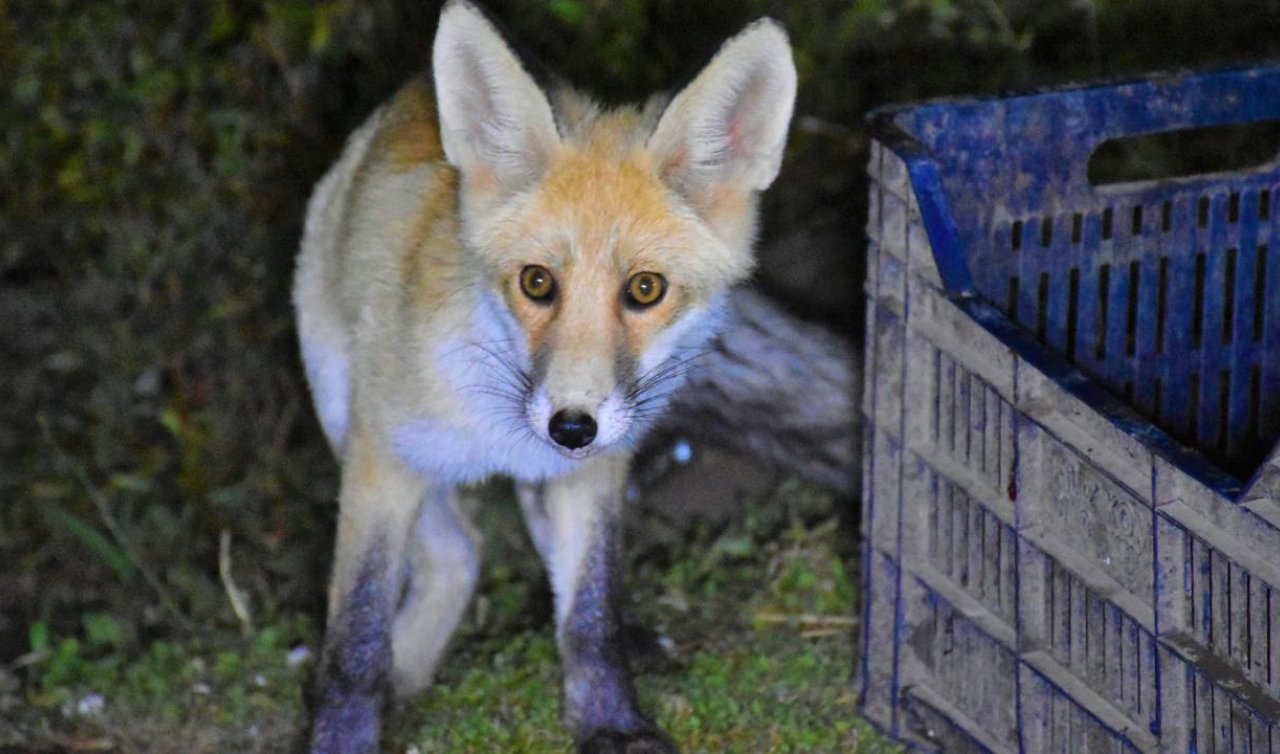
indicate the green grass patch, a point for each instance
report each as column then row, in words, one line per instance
column 758, row 619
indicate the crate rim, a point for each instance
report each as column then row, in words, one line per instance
column 926, row 179
column 881, row 117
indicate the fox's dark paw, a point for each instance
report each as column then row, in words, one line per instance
column 635, row 742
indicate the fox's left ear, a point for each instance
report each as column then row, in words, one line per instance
column 730, row 123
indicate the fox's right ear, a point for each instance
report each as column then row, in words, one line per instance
column 496, row 124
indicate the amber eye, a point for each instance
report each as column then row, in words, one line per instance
column 537, row 283
column 646, row 289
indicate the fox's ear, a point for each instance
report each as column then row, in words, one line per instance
column 730, row 123
column 496, row 125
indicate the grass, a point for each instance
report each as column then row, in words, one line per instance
column 757, row 619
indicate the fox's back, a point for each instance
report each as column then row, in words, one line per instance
column 381, row 227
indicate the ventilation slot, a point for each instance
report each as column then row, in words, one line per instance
column 1197, row 309
column 1073, row 296
column 1162, row 300
column 1224, row 409
column 1229, row 297
column 1042, row 308
column 1255, row 401
column 1131, row 329
column 1259, row 293
column 1193, row 431
column 1104, row 294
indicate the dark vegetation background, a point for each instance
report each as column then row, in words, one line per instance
column 155, row 158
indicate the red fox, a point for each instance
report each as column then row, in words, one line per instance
column 501, row 278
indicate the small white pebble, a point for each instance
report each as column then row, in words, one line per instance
column 259, row 680
column 201, row 688
column 253, row 731
column 90, row 705
column 413, row 749
column 298, row 655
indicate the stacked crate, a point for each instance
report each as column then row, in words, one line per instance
column 1072, row 504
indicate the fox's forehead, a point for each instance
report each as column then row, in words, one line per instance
column 600, row 200
column 601, row 203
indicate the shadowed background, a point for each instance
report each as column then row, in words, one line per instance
column 155, row 158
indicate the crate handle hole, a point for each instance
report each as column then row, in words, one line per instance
column 1185, row 152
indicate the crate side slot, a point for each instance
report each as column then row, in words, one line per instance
column 1231, row 613
column 1060, row 715
column 935, row 317
column 1067, row 627
column 933, row 723
column 1212, row 713
column 960, row 424
column 944, row 650
column 1246, row 538
column 961, row 542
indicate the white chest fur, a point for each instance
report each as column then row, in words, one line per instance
column 461, row 454
column 484, row 430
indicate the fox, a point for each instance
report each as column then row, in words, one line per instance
column 500, row 276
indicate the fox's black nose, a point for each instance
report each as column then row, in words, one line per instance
column 572, row 429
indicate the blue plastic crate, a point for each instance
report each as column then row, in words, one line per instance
column 1072, row 513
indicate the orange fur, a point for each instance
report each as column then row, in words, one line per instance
column 600, row 215
column 409, row 136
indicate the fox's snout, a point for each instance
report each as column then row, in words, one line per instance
column 580, row 416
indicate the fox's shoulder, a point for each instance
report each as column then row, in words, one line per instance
column 386, row 209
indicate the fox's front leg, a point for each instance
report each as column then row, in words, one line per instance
column 377, row 503
column 577, row 520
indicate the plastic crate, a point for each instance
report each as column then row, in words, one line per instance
column 1072, row 504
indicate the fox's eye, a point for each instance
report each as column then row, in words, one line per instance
column 646, row 289
column 537, row 283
